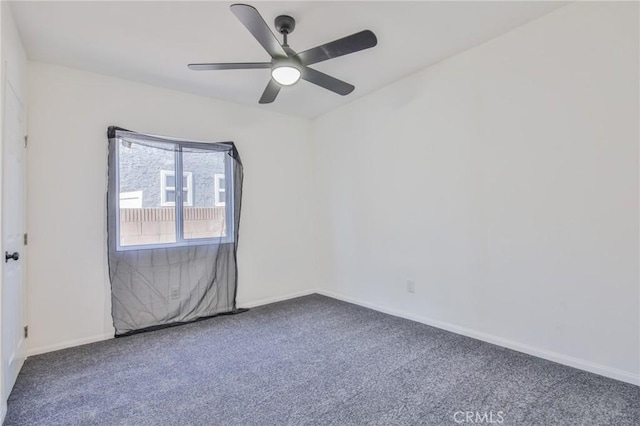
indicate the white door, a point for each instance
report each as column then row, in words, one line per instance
column 13, row 229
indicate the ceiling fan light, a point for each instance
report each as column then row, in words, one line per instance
column 285, row 75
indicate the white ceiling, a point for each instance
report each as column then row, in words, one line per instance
column 152, row 42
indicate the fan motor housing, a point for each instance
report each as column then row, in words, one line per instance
column 285, row 24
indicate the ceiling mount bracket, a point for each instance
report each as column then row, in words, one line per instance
column 285, row 24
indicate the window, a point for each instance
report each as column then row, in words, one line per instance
column 151, row 215
column 220, row 190
column 168, row 188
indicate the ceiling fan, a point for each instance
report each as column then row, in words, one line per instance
column 287, row 66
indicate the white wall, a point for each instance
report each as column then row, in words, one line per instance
column 504, row 181
column 69, row 111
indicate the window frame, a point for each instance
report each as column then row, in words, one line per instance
column 179, row 214
column 219, row 201
column 164, row 188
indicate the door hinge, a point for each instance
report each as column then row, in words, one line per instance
column 26, row 239
column 26, row 331
column 26, row 140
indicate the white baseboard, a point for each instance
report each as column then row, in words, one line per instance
column 253, row 304
column 68, row 344
column 578, row 363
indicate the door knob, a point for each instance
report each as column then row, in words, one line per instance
column 14, row 256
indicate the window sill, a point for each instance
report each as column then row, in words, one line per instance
column 182, row 244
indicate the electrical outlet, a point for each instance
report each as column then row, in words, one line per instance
column 175, row 293
column 411, row 286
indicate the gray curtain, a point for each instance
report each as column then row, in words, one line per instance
column 172, row 250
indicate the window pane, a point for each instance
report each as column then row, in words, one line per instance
column 185, row 180
column 203, row 219
column 170, row 196
column 143, row 220
column 221, row 184
column 170, row 180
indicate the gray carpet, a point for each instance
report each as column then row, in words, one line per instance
column 309, row 361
